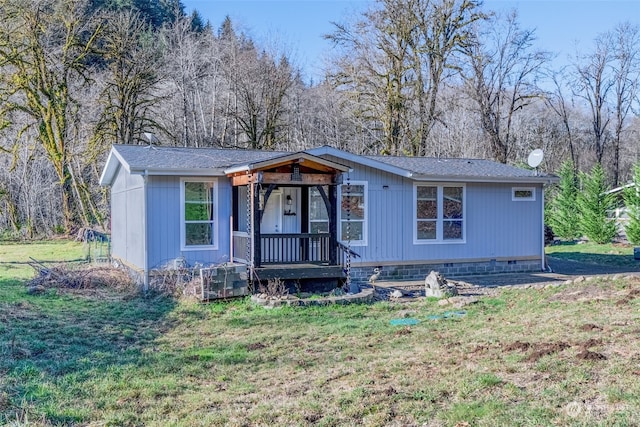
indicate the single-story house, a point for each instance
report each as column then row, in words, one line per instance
column 322, row 212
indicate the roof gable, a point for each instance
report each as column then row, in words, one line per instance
column 362, row 160
column 314, row 162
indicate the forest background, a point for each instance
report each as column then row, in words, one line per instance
column 439, row 78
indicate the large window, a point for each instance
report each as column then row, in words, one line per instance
column 439, row 213
column 198, row 214
column 353, row 213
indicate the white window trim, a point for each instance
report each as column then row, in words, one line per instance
column 183, row 246
column 439, row 240
column 523, row 199
column 365, row 221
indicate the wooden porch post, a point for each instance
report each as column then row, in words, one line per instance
column 257, row 247
column 333, row 226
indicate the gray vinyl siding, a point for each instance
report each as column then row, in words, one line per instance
column 164, row 223
column 495, row 226
column 127, row 218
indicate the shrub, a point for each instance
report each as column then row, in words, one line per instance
column 632, row 202
column 563, row 210
column 594, row 205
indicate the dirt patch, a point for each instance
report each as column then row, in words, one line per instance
column 256, row 346
column 517, row 346
column 404, row 331
column 590, row 355
column 390, row 391
column 634, row 293
column 545, row 349
column 588, row 327
column 585, row 293
column 631, row 295
column 479, row 349
column 591, row 342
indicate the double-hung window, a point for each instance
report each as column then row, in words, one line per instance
column 318, row 216
column 439, row 213
column 353, row 213
column 198, row 214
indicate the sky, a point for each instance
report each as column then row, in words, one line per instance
column 296, row 27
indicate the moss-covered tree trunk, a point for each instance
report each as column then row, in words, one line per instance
column 44, row 51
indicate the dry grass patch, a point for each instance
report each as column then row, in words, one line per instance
column 82, row 276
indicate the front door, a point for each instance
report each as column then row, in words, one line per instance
column 272, row 216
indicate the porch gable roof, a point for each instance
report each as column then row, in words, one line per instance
column 282, row 159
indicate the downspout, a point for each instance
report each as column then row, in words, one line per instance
column 145, row 285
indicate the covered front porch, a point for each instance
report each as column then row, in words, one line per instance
column 285, row 222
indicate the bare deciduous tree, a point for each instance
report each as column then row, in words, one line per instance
column 395, row 62
column 593, row 85
column 502, row 74
column 133, row 75
column 626, row 80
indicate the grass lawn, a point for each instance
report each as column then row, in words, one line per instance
column 616, row 254
column 565, row 356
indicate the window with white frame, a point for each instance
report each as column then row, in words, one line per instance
column 198, row 214
column 523, row 194
column 318, row 216
column 353, row 212
column 439, row 213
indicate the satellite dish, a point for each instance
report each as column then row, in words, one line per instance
column 151, row 138
column 535, row 158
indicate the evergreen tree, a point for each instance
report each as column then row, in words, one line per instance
column 594, row 204
column 632, row 202
column 563, row 211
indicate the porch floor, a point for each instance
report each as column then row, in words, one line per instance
column 299, row 271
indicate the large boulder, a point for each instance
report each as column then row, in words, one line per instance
column 435, row 285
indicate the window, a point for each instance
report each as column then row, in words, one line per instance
column 198, row 214
column 439, row 213
column 523, row 194
column 353, row 213
column 318, row 216
column 427, row 212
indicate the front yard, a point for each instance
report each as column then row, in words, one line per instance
column 566, row 355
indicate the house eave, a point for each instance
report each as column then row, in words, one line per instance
column 178, row 172
column 494, row 180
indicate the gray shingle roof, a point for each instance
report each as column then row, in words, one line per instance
column 154, row 158
column 427, row 167
column 177, row 160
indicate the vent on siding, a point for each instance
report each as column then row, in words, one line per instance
column 295, row 175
